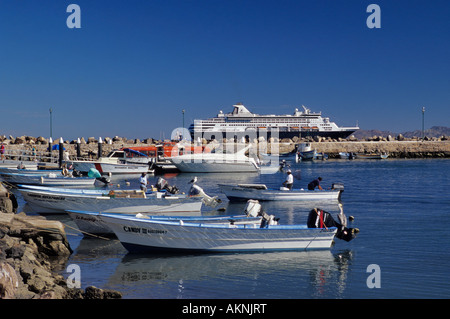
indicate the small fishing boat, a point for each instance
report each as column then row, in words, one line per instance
column 290, row 156
column 346, row 155
column 371, row 156
column 138, row 233
column 47, row 179
column 9, row 163
column 306, row 153
column 243, row 192
column 91, row 223
column 109, row 168
column 59, row 200
column 30, row 171
column 115, row 162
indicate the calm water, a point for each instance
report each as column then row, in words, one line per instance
column 402, row 208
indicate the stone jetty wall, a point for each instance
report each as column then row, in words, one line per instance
column 396, row 149
column 399, row 146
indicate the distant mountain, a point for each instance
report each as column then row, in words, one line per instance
column 435, row 131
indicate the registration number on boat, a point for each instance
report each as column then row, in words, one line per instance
column 139, row 230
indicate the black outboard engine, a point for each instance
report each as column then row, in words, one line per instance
column 103, row 179
column 76, row 173
column 319, row 218
column 162, row 184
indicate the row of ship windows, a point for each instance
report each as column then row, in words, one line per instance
column 267, row 120
column 252, row 125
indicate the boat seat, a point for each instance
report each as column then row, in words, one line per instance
column 128, row 194
column 255, row 186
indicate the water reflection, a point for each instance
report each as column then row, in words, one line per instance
column 308, row 274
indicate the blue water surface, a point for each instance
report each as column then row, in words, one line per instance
column 401, row 206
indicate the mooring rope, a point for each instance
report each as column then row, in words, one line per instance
column 86, row 233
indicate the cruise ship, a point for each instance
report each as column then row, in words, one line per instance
column 242, row 123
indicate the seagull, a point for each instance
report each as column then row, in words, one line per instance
column 193, row 181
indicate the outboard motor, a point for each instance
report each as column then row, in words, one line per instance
column 196, row 190
column 162, row 184
column 254, row 209
column 76, row 173
column 103, row 179
column 319, row 218
column 338, row 186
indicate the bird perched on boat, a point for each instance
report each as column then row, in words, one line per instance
column 198, row 191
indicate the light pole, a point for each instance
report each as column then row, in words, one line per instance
column 183, row 123
column 423, row 122
column 51, row 133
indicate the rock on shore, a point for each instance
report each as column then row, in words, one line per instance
column 32, row 248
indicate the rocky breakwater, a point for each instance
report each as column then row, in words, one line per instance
column 396, row 148
column 32, row 249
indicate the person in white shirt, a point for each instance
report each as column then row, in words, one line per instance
column 143, row 181
column 289, row 182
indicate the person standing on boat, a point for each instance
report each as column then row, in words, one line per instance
column 289, row 182
column 2, row 151
column 144, row 182
column 315, row 183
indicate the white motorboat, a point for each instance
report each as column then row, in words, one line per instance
column 216, row 162
column 48, row 179
column 59, row 200
column 243, row 192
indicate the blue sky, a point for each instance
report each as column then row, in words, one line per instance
column 133, row 66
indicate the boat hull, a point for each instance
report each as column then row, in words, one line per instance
column 139, row 235
column 92, row 224
column 110, row 168
column 371, row 156
column 15, row 163
column 48, row 180
column 240, row 193
column 212, row 167
column 59, row 202
column 267, row 134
